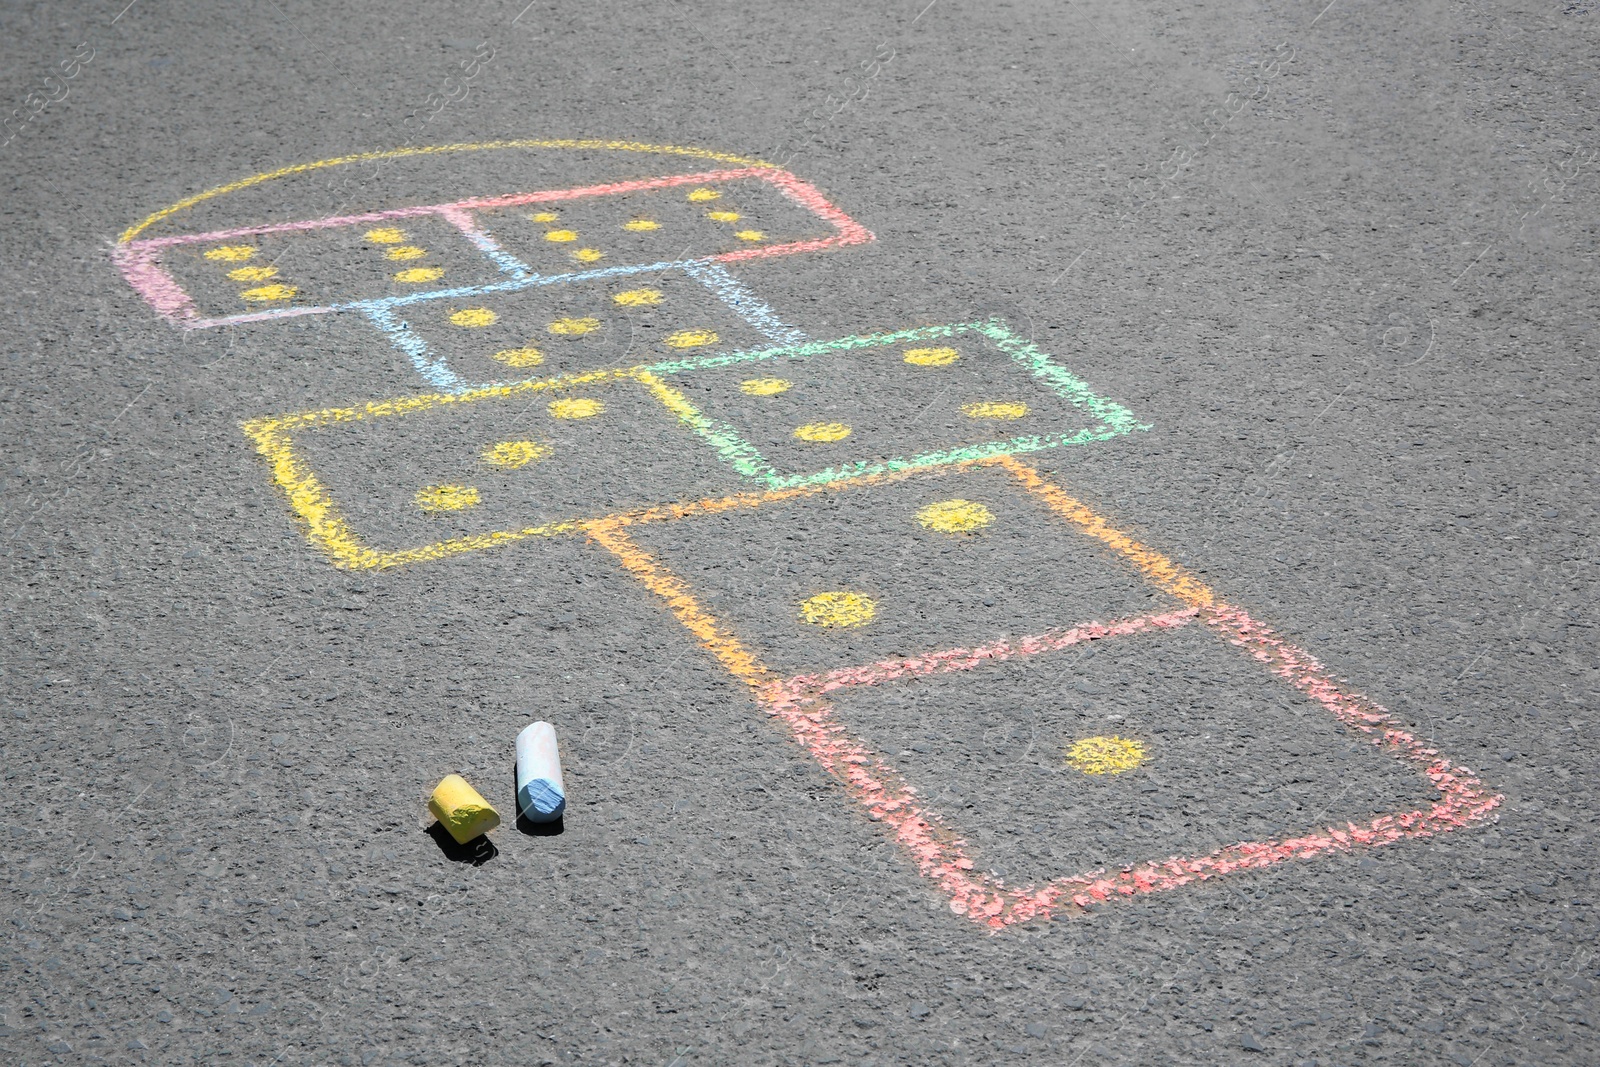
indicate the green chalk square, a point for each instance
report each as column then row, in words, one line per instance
column 709, row 401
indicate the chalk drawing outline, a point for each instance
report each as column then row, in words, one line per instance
column 139, row 260
column 799, row 702
column 137, row 228
column 320, row 514
column 437, row 371
column 1114, row 419
column 933, row 846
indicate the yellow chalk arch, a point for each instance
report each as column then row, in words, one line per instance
column 434, row 498
column 955, row 516
column 822, row 432
column 429, row 150
column 513, row 455
column 1105, row 755
column 842, row 609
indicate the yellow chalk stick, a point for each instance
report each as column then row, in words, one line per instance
column 461, row 810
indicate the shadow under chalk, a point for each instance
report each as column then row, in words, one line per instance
column 540, row 829
column 478, row 851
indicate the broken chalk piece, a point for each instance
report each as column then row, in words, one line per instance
column 461, row 810
column 540, row 792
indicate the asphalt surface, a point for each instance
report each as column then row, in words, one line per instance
column 1337, row 265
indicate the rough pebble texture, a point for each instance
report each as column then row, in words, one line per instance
column 1353, row 301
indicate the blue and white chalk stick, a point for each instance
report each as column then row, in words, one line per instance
column 540, row 792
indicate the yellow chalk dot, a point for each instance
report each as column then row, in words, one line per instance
column 253, row 274
column 580, row 408
column 955, row 516
column 842, row 610
column 419, row 274
column 446, row 497
column 561, row 235
column 231, row 253
column 932, row 357
column 515, row 454
column 723, row 216
column 471, row 317
column 386, row 235
column 994, row 409
column 823, row 431
column 751, row 235
column 692, row 338
column 703, row 194
column 573, row 327
column 520, row 357
column 406, row 252
column 765, row 386
column 545, row 216
column 641, row 225
column 270, row 292
column 588, row 255
column 1105, row 755
column 638, row 298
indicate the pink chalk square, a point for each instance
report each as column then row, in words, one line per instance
column 960, row 755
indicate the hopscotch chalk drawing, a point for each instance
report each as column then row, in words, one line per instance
column 524, row 316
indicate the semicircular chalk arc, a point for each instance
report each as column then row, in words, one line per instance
column 424, row 150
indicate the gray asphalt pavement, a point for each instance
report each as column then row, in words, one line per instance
column 1049, row 534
